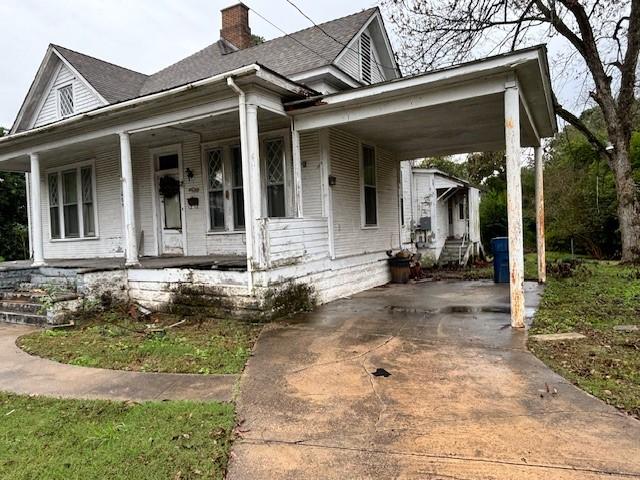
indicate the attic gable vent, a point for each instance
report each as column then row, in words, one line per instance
column 365, row 57
column 65, row 100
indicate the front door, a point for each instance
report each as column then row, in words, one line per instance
column 169, row 199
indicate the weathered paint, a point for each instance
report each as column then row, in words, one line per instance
column 128, row 200
column 36, row 228
column 514, row 203
column 542, row 265
column 83, row 98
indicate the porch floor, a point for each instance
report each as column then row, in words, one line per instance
column 208, row 262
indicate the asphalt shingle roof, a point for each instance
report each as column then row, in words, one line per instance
column 300, row 51
column 297, row 52
column 113, row 82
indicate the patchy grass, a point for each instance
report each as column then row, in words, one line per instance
column 114, row 340
column 64, row 439
column 594, row 300
column 484, row 270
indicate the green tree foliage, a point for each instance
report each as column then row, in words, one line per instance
column 580, row 195
column 13, row 215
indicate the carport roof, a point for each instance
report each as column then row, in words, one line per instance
column 458, row 109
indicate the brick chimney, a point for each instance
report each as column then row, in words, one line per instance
column 235, row 25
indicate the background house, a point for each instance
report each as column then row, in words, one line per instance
column 440, row 215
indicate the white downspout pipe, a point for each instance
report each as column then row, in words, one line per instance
column 246, row 191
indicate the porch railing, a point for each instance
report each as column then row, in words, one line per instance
column 295, row 240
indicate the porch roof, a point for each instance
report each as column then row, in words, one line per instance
column 454, row 110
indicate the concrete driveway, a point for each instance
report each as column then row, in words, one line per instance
column 465, row 400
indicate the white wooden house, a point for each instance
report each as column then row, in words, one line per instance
column 440, row 215
column 251, row 166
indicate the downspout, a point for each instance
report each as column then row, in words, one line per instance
column 248, row 215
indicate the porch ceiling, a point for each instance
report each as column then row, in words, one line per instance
column 454, row 110
column 472, row 125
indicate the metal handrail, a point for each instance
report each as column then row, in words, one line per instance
column 464, row 239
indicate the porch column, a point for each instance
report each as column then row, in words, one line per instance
column 255, row 186
column 36, row 214
column 542, row 261
column 127, row 200
column 297, row 170
column 514, row 203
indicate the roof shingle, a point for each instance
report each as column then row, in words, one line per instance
column 298, row 52
column 113, row 82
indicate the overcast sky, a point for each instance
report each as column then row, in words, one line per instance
column 144, row 35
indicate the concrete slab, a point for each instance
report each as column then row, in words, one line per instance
column 557, row 337
column 627, row 328
column 26, row 374
column 465, row 399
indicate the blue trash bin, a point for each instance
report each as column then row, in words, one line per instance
column 500, row 249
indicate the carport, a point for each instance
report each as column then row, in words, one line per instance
column 499, row 103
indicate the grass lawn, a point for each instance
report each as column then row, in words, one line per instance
column 113, row 340
column 606, row 363
column 80, row 439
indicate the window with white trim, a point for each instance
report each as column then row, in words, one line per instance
column 65, row 100
column 275, row 175
column 215, row 175
column 237, row 187
column 366, row 57
column 72, row 212
column 369, row 186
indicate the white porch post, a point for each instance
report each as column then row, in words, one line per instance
column 36, row 214
column 542, row 261
column 297, row 170
column 255, row 185
column 514, row 203
column 128, row 200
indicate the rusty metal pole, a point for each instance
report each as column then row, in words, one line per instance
column 514, row 202
column 542, row 262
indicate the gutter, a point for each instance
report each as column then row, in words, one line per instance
column 253, row 68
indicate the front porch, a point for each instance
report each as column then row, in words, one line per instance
column 209, row 262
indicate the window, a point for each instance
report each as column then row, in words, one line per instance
column 275, row 177
column 65, row 100
column 236, row 187
column 72, row 211
column 369, row 186
column 366, row 57
column 216, row 189
column 461, row 210
column 54, row 206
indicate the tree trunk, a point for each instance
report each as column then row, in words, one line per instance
column 628, row 204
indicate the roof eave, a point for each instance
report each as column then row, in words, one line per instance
column 260, row 71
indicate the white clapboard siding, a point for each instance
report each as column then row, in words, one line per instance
column 295, row 239
column 83, row 98
column 311, row 174
column 109, row 209
column 350, row 236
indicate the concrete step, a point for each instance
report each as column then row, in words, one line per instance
column 39, row 280
column 21, row 306
column 23, row 318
